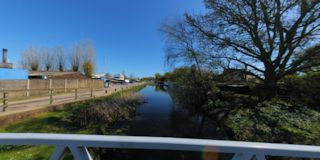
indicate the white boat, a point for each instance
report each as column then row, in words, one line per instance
column 127, row 80
column 118, row 78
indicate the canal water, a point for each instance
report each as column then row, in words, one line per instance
column 159, row 116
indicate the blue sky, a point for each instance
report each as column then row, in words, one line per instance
column 125, row 32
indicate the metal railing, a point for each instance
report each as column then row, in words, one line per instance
column 78, row 145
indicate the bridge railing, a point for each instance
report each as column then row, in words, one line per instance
column 78, row 145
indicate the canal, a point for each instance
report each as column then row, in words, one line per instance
column 160, row 116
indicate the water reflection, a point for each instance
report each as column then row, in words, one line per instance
column 160, row 116
column 152, row 117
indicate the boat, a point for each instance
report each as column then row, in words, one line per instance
column 118, row 78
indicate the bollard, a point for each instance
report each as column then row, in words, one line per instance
column 5, row 101
column 51, row 96
column 76, row 94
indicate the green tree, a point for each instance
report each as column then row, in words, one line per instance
column 167, row 76
column 157, row 76
column 88, row 68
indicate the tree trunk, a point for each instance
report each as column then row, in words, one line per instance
column 270, row 86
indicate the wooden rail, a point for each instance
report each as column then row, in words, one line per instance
column 6, row 94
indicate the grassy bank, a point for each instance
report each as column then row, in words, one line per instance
column 104, row 115
column 276, row 121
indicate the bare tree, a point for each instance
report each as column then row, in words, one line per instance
column 264, row 35
column 30, row 58
column 75, row 57
column 58, row 51
column 82, row 52
column 88, row 53
column 48, row 59
column 185, row 44
column 313, row 61
column 88, row 57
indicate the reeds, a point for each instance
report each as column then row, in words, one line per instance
column 111, row 113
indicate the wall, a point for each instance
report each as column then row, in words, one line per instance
column 13, row 74
column 18, row 88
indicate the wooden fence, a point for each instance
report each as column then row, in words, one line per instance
column 48, row 92
column 25, row 88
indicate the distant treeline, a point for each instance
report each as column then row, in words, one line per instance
column 78, row 57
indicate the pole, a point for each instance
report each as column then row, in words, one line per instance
column 65, row 85
column 28, row 87
column 51, row 96
column 76, row 94
column 5, row 101
column 91, row 89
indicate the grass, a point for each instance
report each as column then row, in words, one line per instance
column 27, row 153
column 51, row 122
column 276, row 121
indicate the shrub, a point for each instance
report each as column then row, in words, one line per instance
column 304, row 89
column 191, row 88
column 109, row 113
column 88, row 68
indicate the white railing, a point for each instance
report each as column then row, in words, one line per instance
column 78, row 145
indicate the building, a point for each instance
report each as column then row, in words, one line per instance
column 237, row 75
column 5, row 63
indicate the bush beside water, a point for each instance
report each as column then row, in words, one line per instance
column 107, row 117
column 245, row 117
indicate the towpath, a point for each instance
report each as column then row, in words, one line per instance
column 21, row 106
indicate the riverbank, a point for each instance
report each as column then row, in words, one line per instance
column 19, row 110
column 76, row 118
column 161, row 115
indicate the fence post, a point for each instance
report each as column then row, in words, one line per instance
column 76, row 93
column 5, row 101
column 50, row 85
column 77, row 83
column 91, row 88
column 51, row 96
column 65, row 85
column 28, row 87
